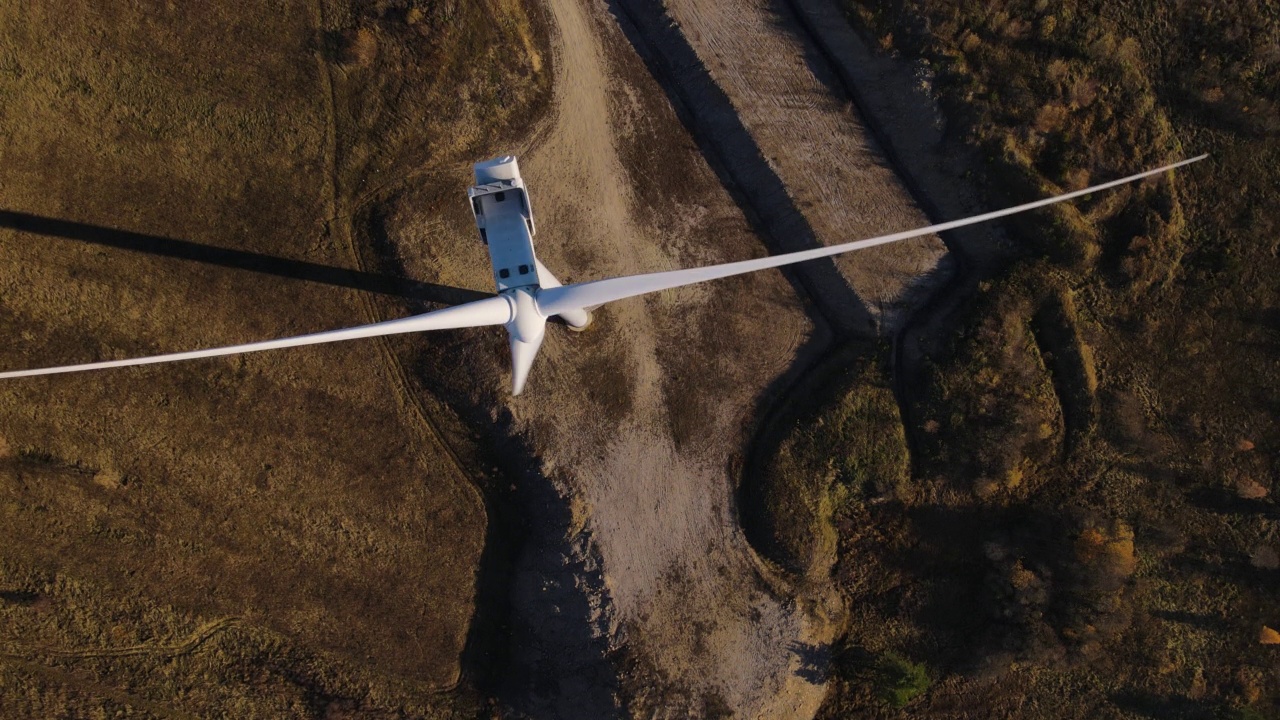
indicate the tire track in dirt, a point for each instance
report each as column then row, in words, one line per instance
column 78, row 683
column 198, row 637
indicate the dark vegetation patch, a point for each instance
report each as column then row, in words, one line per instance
column 992, row 417
column 1090, row 527
column 837, row 443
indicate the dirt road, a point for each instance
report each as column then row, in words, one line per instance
column 805, row 132
column 701, row 626
column 619, row 187
column 635, row 585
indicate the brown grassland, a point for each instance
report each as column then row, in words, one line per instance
column 1089, row 528
column 1069, row 509
column 269, row 535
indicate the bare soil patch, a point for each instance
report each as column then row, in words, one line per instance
column 810, row 136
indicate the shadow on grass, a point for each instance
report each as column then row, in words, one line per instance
column 1224, row 501
column 1201, row 621
column 815, row 661
column 238, row 259
column 1151, row 705
column 537, row 645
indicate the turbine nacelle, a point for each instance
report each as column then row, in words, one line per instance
column 504, row 217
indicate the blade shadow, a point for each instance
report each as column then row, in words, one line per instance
column 239, row 259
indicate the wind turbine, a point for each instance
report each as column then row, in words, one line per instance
column 528, row 294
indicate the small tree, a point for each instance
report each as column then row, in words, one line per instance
column 900, row 681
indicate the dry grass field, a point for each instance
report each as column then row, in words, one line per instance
column 270, row 535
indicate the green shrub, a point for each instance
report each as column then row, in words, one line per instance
column 847, row 443
column 900, row 681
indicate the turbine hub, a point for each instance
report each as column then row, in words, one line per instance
column 527, row 324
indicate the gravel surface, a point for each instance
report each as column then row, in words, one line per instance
column 806, row 130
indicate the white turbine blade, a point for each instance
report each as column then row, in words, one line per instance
column 490, row 311
column 554, row 301
column 522, row 357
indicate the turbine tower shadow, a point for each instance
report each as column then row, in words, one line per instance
column 239, row 259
